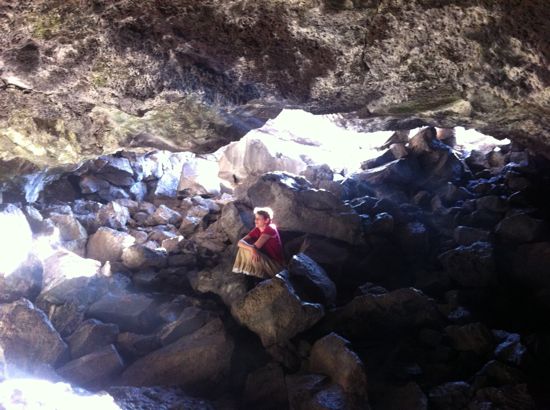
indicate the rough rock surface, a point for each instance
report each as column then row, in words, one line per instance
column 119, row 79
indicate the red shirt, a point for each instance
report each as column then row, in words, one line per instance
column 273, row 247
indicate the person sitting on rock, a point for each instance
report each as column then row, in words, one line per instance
column 260, row 252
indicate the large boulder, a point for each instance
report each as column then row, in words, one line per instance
column 94, row 369
column 130, row 311
column 310, row 281
column 199, row 176
column 24, row 282
column 202, row 357
column 299, row 207
column 139, row 257
column 471, row 266
column 28, row 339
column 332, row 356
column 108, row 244
column 385, row 314
column 236, row 220
column 90, row 336
column 275, row 313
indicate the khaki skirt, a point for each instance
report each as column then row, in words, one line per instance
column 264, row 267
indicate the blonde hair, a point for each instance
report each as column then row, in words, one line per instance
column 266, row 212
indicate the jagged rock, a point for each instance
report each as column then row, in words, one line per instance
column 408, row 396
column 266, row 389
column 131, row 312
column 473, row 337
column 496, row 374
column 91, row 184
column 397, row 311
column 530, row 262
column 492, row 203
column 189, row 321
column 136, row 345
column 28, row 339
column 18, row 243
column 399, row 172
column 139, row 257
column 314, row 392
column 93, row 369
column 67, row 317
column 212, row 238
column 69, row 227
column 116, row 170
column 298, row 207
column 466, row 236
column 90, row 336
column 520, row 228
column 202, row 357
column 199, row 176
column 511, row 350
column 108, row 244
column 275, row 313
column 471, row 266
column 332, row 356
column 450, row 396
column 24, row 282
column 138, row 191
column 310, row 281
column 236, row 220
column 128, row 397
column 113, row 215
column 395, row 152
column 164, row 215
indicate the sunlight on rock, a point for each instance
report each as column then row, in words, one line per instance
column 19, row 394
column 16, row 240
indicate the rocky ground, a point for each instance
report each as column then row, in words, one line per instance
column 420, row 282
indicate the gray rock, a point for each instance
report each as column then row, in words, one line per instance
column 24, row 282
column 136, row 345
column 116, row 170
column 473, row 337
column 91, row 184
column 470, row 266
column 90, row 336
column 299, row 207
column 450, row 396
column 512, row 351
column 131, row 312
column 520, row 228
column 332, row 356
column 202, row 357
column 94, row 369
column 108, row 244
column 315, row 392
column 236, row 220
column 310, row 281
column 28, row 339
column 138, row 257
column 113, row 215
column 191, row 319
column 466, row 236
column 275, row 313
column 199, row 176
column 164, row 215
column 69, row 227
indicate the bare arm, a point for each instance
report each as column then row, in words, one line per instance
column 243, row 243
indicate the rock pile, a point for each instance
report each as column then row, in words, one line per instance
column 421, row 285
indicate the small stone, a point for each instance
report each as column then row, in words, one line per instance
column 113, row 215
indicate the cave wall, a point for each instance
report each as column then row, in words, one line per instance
column 85, row 77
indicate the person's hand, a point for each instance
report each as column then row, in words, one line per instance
column 255, row 255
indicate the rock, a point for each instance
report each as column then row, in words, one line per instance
column 134, row 345
column 395, row 312
column 113, row 215
column 107, row 244
column 199, row 176
column 492, row 203
column 212, row 238
column 69, row 227
column 69, row 277
column 28, row 339
column 24, row 282
column 408, row 396
column 512, row 351
column 476, row 161
column 383, row 223
column 139, row 257
column 90, row 336
column 94, row 369
column 413, row 238
column 231, row 287
column 275, row 313
column 395, row 152
column 473, row 337
column 496, row 374
column 16, row 245
column 164, row 215
column 189, row 321
column 128, row 397
column 67, row 317
column 310, row 281
column 505, row 397
column 172, row 245
column 530, row 262
column 138, row 191
column 471, row 266
column 266, row 389
column 131, row 312
column 332, row 356
column 399, row 172
column 202, row 357
column 450, row 396
column 236, row 220
column 520, row 228
column 91, row 184
column 116, row 170
column 466, row 236
column 298, row 207
column 314, row 392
